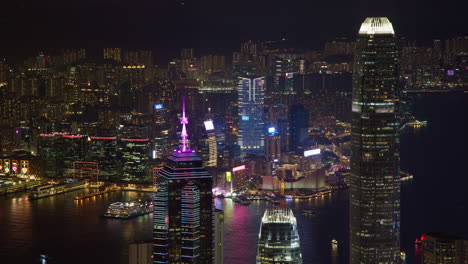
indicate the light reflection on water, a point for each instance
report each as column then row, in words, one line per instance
column 70, row 231
column 242, row 224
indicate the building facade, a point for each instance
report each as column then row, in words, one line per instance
column 251, row 114
column 444, row 248
column 219, row 237
column 183, row 209
column 279, row 241
column 374, row 181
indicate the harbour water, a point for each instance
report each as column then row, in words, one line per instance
column 74, row 231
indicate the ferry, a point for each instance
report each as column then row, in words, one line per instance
column 125, row 210
column 47, row 190
column 309, row 212
column 242, row 200
column 405, row 176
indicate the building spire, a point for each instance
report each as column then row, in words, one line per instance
column 184, row 135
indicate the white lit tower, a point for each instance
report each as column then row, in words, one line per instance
column 278, row 241
column 375, row 156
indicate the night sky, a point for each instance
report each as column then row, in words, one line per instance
column 169, row 25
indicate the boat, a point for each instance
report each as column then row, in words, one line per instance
column 242, row 200
column 125, row 210
column 273, row 200
column 309, row 212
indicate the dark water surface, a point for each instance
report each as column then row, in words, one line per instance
column 73, row 232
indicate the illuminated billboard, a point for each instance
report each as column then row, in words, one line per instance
column 6, row 165
column 228, row 176
column 209, row 125
column 271, row 130
column 238, row 168
column 245, row 118
column 158, row 106
column 311, row 152
column 14, row 166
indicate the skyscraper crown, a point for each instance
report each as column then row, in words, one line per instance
column 376, row 25
column 184, row 121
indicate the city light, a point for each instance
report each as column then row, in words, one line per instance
column 311, row 152
column 98, row 125
column 158, row 106
column 238, row 168
column 209, row 125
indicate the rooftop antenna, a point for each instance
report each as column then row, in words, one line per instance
column 184, row 135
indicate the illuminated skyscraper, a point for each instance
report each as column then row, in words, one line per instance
column 251, row 114
column 209, row 145
column 103, row 150
column 374, row 181
column 183, row 209
column 444, row 248
column 134, row 155
column 273, row 145
column 278, row 241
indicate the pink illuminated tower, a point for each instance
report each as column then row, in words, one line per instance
column 183, row 208
column 184, row 135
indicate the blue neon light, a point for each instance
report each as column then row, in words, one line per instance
column 158, row 106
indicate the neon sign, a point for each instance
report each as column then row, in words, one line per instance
column 238, row 168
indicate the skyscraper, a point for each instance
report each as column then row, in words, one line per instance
column 278, row 241
column 251, row 114
column 444, row 248
column 183, row 208
column 219, row 236
column 374, row 181
column 209, row 145
column 298, row 126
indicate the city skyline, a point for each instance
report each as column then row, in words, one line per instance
column 210, row 24
column 188, row 131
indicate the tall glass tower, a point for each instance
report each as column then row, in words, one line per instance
column 251, row 114
column 278, row 241
column 183, row 209
column 375, row 157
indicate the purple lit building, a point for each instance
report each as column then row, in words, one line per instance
column 183, row 208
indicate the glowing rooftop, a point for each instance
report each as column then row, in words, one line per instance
column 376, row 25
column 184, row 121
column 279, row 215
